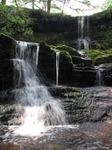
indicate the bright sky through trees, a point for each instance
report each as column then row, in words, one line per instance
column 74, row 5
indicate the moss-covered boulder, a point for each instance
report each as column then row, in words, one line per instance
column 72, row 51
column 100, row 56
column 47, row 64
column 66, row 68
column 104, row 59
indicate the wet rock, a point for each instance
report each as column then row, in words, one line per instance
column 84, row 76
column 10, row 114
column 6, row 74
column 105, row 74
column 86, row 62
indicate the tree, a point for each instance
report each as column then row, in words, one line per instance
column 3, row 2
column 107, row 5
column 48, row 6
column 15, row 22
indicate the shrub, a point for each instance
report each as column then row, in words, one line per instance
column 15, row 22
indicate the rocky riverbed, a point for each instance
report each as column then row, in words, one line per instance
column 91, row 104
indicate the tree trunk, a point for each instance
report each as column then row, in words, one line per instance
column 33, row 4
column 48, row 6
column 16, row 3
column 3, row 2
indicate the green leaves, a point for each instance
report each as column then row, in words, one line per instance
column 15, row 22
column 107, row 5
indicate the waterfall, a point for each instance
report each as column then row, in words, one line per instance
column 83, row 32
column 40, row 108
column 99, row 76
column 57, row 66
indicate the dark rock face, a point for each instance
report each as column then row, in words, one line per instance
column 84, row 76
column 82, row 61
column 105, row 74
column 7, row 52
column 6, row 74
column 47, row 61
column 7, row 47
column 65, row 69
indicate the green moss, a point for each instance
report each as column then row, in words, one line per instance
column 67, row 56
column 103, row 56
column 74, row 95
column 47, row 47
column 69, row 49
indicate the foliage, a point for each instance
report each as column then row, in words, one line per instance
column 15, row 22
column 107, row 5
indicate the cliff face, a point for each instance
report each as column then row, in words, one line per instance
column 7, row 47
column 57, row 29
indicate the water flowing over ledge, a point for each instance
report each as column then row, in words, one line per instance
column 40, row 109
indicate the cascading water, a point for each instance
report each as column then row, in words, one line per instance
column 40, row 108
column 57, row 66
column 83, row 33
column 99, row 76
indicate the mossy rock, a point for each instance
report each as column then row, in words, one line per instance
column 47, row 64
column 69, row 49
column 103, row 59
column 65, row 67
column 100, row 56
column 65, row 92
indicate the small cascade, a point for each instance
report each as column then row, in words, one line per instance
column 40, row 108
column 57, row 66
column 83, row 33
column 99, row 76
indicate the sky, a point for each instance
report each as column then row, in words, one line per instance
column 98, row 3
column 74, row 4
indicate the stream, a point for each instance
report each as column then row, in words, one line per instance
column 87, row 136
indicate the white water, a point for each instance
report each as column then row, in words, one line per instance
column 57, row 66
column 99, row 76
column 40, row 108
column 83, row 33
